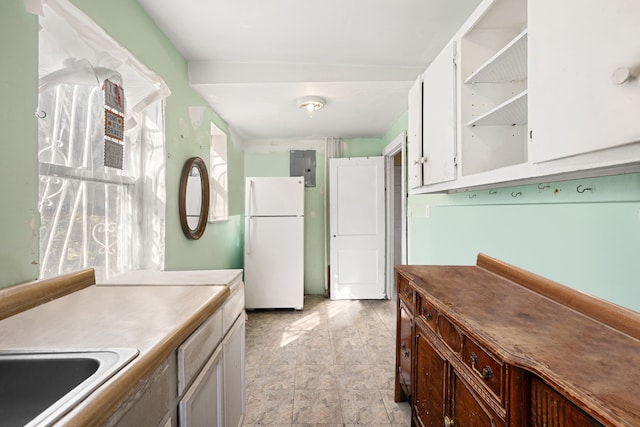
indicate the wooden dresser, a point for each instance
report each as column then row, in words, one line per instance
column 494, row 345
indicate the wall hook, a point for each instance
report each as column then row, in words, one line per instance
column 41, row 114
column 581, row 190
column 542, row 187
column 472, row 196
column 493, row 192
column 518, row 194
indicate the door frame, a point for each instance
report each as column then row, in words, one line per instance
column 397, row 145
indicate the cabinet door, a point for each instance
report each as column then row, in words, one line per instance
column 468, row 410
column 414, row 137
column 550, row 409
column 575, row 47
column 202, row 403
column 429, row 382
column 439, row 118
column 234, row 397
column 403, row 356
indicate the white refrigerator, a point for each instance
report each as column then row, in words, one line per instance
column 274, row 243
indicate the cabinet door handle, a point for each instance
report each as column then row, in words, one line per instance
column 448, row 422
column 486, row 373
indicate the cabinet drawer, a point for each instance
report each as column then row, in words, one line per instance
column 196, row 349
column 450, row 334
column 485, row 367
column 233, row 306
column 427, row 312
column 405, row 290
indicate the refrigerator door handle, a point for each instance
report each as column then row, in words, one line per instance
column 249, row 237
column 251, row 198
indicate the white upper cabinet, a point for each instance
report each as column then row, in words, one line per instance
column 439, row 118
column 493, row 89
column 582, row 94
column 414, row 135
column 543, row 90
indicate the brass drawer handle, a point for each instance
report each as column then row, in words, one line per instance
column 486, row 373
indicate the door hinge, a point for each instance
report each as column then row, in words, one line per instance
column 455, row 161
column 530, row 134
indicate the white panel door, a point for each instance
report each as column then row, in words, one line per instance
column 575, row 48
column 274, row 196
column 274, row 262
column 439, row 118
column 357, row 218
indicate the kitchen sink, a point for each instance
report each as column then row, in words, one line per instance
column 37, row 388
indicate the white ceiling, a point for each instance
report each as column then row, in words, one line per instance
column 251, row 59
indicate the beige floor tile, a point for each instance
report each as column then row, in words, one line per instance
column 330, row 364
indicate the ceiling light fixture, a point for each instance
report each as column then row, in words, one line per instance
column 310, row 103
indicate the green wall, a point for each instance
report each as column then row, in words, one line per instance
column 19, row 219
column 589, row 241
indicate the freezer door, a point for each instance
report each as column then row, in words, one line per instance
column 274, row 262
column 281, row 196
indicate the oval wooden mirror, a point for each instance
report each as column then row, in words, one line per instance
column 194, row 198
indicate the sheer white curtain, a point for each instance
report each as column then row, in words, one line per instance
column 95, row 216
column 92, row 215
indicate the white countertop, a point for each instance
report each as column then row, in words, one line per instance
column 230, row 278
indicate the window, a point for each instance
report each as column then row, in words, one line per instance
column 219, row 194
column 92, row 215
column 96, row 216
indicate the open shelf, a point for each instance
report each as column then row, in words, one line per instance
column 514, row 111
column 508, row 64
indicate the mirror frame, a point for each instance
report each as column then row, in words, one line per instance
column 198, row 163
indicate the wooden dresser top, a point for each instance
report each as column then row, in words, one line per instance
column 587, row 360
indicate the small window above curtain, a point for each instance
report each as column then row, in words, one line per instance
column 219, row 193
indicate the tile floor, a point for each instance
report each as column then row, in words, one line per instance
column 331, row 364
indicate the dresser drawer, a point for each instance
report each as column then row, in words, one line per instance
column 484, row 366
column 426, row 312
column 196, row 349
column 405, row 291
column 450, row 334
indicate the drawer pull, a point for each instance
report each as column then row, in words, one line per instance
column 448, row 422
column 429, row 314
column 405, row 352
column 486, row 373
column 408, row 292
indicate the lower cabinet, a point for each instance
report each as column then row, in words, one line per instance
column 441, row 395
column 233, row 370
column 152, row 402
column 202, row 403
column 201, row 384
column 550, row 409
column 467, row 409
column 431, row 373
column 403, row 353
column 523, row 365
column 215, row 398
